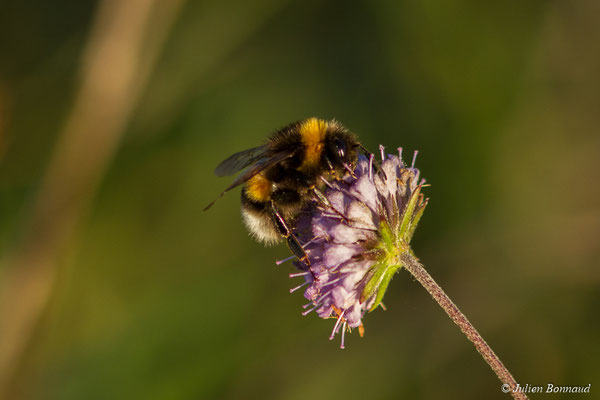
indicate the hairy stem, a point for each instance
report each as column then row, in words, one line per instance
column 418, row 271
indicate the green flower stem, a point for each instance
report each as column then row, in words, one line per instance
column 417, row 270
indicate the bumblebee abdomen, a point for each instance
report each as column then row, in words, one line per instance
column 258, row 220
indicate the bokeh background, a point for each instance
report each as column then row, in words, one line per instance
column 113, row 114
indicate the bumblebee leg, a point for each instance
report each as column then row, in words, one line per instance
column 287, row 233
column 322, row 199
column 332, row 170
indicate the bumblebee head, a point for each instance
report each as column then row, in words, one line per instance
column 341, row 148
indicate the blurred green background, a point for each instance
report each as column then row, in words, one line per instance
column 136, row 293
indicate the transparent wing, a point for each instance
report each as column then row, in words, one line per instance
column 258, row 165
column 240, row 160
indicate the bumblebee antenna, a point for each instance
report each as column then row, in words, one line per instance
column 214, row 201
column 365, row 151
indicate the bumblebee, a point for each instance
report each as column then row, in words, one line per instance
column 288, row 171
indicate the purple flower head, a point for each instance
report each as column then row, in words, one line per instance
column 354, row 235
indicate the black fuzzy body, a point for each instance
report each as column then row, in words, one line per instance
column 292, row 182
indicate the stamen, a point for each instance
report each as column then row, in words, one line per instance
column 330, row 207
column 299, row 274
column 279, row 262
column 371, row 157
column 298, row 287
column 336, row 216
column 335, row 270
column 381, row 149
column 343, row 335
column 326, row 181
column 323, row 296
column 305, row 313
column 311, row 240
column 400, row 156
column 337, row 324
column 414, row 158
column 310, row 303
column 347, row 167
column 333, row 281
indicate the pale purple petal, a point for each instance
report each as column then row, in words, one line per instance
column 336, row 255
column 346, row 234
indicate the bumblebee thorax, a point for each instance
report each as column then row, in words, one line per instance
column 312, row 133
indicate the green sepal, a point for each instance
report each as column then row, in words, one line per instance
column 407, row 216
column 373, row 278
column 385, row 281
column 415, row 221
column 378, row 278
